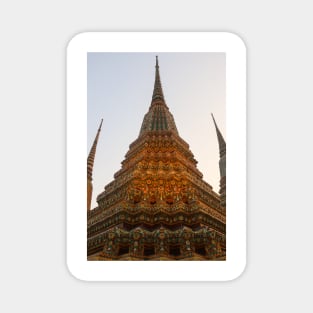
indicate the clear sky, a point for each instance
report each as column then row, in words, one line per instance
column 120, row 87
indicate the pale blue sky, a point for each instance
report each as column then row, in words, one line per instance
column 120, row 87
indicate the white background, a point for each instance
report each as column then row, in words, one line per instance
column 278, row 36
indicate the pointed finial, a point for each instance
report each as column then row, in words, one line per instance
column 213, row 119
column 215, row 122
column 157, row 91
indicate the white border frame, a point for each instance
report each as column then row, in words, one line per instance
column 235, row 51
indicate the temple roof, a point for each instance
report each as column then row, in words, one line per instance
column 158, row 117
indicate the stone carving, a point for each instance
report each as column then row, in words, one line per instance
column 136, row 242
column 161, row 237
column 110, row 248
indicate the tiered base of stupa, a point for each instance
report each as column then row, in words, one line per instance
column 161, row 243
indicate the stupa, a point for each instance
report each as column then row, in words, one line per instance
column 158, row 207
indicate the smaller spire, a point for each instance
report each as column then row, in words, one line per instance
column 92, row 153
column 221, row 141
column 222, row 164
column 90, row 161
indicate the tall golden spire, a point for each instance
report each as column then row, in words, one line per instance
column 90, row 162
column 158, row 118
